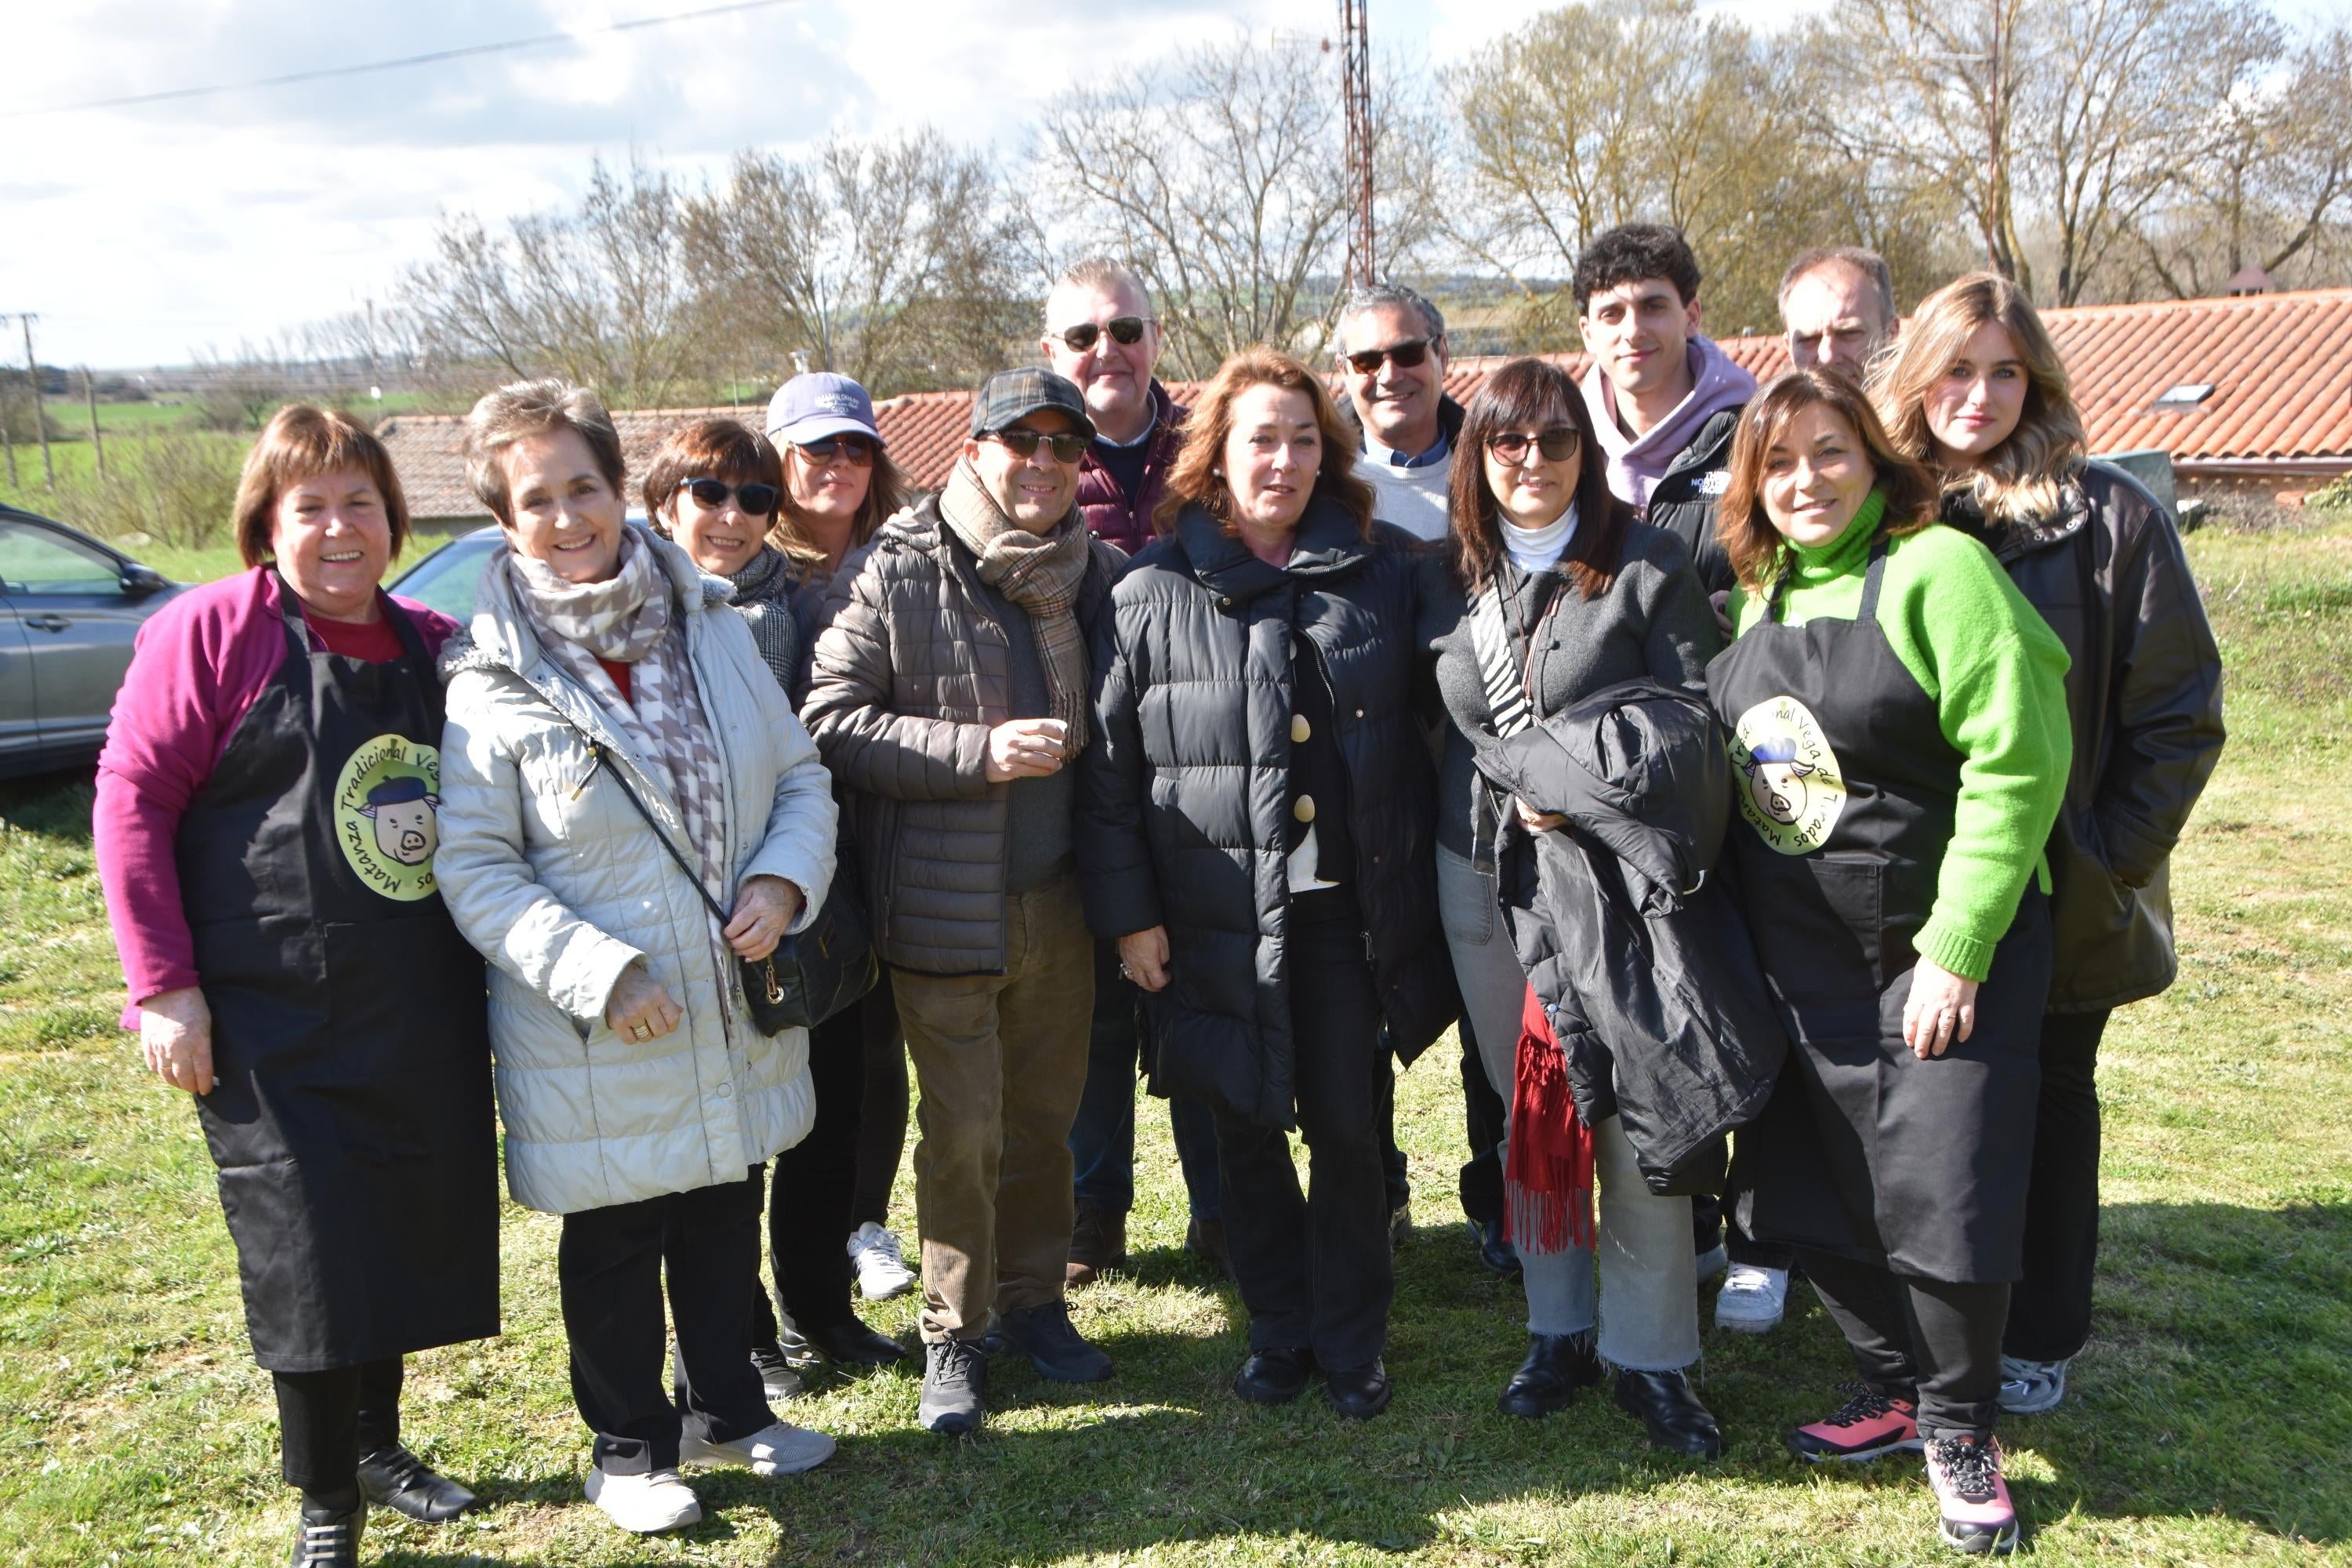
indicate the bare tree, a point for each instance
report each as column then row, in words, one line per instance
column 2270, row 179
column 599, row 295
column 1224, row 183
column 1597, row 114
column 899, row 262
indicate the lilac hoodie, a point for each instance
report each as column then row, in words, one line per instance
column 1637, row 466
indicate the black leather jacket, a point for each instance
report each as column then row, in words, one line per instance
column 2143, row 691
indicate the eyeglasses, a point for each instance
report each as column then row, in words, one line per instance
column 1123, row 329
column 756, row 501
column 857, row 450
column 1557, row 444
column 1022, row 442
column 1405, row 355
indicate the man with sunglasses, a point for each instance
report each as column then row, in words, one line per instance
column 1663, row 398
column 951, row 693
column 1101, row 335
column 1392, row 360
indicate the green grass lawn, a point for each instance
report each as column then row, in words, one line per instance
column 2207, row 1422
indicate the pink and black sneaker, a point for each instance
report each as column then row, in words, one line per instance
column 1965, row 1475
column 1865, row 1426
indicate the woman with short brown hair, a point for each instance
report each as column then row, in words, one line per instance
column 267, row 828
column 1254, row 830
column 1976, row 389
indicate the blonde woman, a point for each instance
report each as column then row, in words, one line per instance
column 1975, row 389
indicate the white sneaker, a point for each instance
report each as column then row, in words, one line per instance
column 783, row 1449
column 882, row 1272
column 1752, row 1299
column 646, row 1504
column 1712, row 1262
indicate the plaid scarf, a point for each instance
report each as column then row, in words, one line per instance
column 629, row 618
column 1041, row 573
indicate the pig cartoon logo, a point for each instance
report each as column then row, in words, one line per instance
column 1776, row 779
column 1794, row 789
column 387, row 801
column 406, row 827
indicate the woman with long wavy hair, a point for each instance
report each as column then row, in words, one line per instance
column 1976, row 389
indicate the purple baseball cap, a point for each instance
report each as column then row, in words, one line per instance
column 819, row 403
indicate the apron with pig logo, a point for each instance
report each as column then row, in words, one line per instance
column 1848, row 790
column 349, row 1121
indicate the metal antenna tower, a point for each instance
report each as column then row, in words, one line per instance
column 1356, row 92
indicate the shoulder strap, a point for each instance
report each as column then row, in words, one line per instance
column 602, row 757
column 1871, row 579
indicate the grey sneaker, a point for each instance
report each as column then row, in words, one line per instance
column 777, row 1449
column 955, row 1387
column 2032, row 1388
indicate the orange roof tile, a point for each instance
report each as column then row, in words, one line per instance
column 2280, row 365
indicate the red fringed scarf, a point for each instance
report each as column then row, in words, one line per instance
column 1547, row 1178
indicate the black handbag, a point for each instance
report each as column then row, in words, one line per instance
column 816, row 971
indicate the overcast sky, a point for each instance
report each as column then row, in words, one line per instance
column 143, row 235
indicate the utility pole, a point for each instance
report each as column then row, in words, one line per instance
column 40, row 420
column 1356, row 93
column 97, row 441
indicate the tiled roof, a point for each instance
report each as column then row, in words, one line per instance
column 2280, row 366
column 428, row 453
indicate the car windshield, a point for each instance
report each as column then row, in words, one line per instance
column 445, row 580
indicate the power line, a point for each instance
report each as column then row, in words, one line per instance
column 436, row 57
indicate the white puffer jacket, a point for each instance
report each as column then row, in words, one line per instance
column 552, row 873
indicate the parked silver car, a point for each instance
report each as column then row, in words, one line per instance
column 69, row 607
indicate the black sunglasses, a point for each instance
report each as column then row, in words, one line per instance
column 1556, row 443
column 1406, row 355
column 756, row 500
column 1022, row 442
column 858, row 449
column 1123, row 329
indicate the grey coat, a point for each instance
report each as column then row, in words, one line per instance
column 553, row 876
column 1654, row 623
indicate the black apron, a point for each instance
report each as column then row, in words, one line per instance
column 350, row 1118
column 1848, row 790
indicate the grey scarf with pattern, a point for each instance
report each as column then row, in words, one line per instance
column 1042, row 573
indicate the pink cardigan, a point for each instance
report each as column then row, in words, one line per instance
column 199, row 663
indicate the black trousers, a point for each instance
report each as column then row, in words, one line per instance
column 2049, row 1310
column 1315, row 1269
column 1925, row 1339
column 326, row 1420
column 611, row 1265
column 1485, row 1118
column 815, row 1185
column 1714, row 1221
column 882, row 1107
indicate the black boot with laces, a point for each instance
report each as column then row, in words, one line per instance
column 326, row 1536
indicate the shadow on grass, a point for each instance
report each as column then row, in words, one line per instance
column 53, row 804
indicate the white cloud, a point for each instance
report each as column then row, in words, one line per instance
column 143, row 233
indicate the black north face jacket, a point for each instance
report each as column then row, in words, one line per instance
column 1182, row 800
column 1632, row 942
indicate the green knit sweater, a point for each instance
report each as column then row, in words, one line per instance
column 1997, row 674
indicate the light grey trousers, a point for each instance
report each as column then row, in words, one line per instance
column 1648, row 1310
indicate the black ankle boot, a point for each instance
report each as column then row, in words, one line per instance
column 404, row 1483
column 1557, row 1366
column 1670, row 1412
column 326, row 1537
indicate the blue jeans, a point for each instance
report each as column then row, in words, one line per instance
column 1102, row 1139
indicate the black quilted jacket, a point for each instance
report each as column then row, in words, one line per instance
column 1182, row 802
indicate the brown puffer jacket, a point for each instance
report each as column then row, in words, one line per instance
column 912, row 674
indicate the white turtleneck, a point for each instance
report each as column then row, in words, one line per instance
column 1535, row 550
